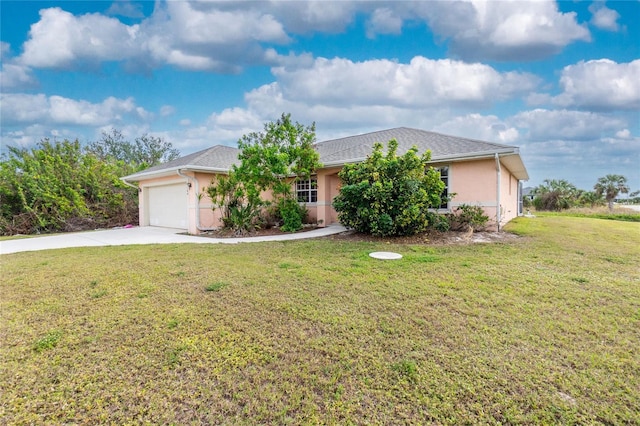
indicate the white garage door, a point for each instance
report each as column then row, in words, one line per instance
column 168, row 206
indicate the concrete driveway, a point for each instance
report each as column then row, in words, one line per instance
column 143, row 235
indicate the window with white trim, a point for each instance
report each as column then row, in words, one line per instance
column 307, row 190
column 444, row 177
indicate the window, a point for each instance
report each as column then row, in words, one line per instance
column 444, row 177
column 307, row 190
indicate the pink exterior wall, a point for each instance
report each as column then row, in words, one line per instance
column 509, row 199
column 209, row 218
column 473, row 182
column 328, row 188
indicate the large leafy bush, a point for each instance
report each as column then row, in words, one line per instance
column 58, row 187
column 267, row 159
column 389, row 194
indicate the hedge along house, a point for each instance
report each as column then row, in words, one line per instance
column 478, row 173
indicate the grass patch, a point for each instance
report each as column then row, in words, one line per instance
column 619, row 213
column 49, row 341
column 217, row 286
column 541, row 330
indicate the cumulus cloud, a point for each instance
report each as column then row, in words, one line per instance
column 483, row 127
column 542, row 124
column 422, row 82
column 600, row 84
column 188, row 35
column 31, row 109
column 227, row 36
column 13, row 75
column 125, row 8
column 603, row 17
column 59, row 39
column 303, row 17
column 505, row 30
column 384, row 21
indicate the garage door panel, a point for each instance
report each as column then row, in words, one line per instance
column 168, row 206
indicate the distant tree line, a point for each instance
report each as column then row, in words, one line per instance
column 556, row 195
column 64, row 186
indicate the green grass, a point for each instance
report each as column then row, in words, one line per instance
column 619, row 213
column 543, row 330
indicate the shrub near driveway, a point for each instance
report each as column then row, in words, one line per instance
column 540, row 331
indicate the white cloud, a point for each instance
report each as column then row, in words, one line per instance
column 32, row 109
column 384, row 21
column 167, row 110
column 13, row 75
column 192, row 36
column 125, row 8
column 476, row 126
column 226, row 36
column 623, row 134
column 542, row 124
column 601, row 84
column 315, row 15
column 603, row 17
column 422, row 82
column 504, row 30
column 59, row 39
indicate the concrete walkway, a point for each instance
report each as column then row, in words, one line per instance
column 143, row 235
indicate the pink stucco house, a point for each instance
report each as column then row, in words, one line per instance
column 479, row 173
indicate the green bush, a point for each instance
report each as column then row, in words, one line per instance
column 292, row 214
column 243, row 218
column 389, row 194
column 56, row 186
column 468, row 217
column 439, row 222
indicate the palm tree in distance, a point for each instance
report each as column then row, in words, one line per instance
column 610, row 186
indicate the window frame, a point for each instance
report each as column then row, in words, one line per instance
column 447, row 181
column 308, row 191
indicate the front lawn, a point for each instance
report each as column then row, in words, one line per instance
column 540, row 330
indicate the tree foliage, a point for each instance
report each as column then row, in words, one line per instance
column 58, row 187
column 268, row 162
column 145, row 151
column 61, row 186
column 610, row 186
column 389, row 194
column 555, row 195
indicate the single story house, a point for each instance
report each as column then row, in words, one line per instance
column 479, row 173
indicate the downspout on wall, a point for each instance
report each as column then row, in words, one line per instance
column 499, row 177
column 197, row 189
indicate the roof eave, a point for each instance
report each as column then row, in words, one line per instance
column 453, row 157
column 136, row 177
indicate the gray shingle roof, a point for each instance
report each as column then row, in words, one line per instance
column 356, row 148
column 348, row 150
column 218, row 157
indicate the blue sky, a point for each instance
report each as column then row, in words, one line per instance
column 561, row 80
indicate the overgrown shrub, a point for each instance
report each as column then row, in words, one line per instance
column 467, row 217
column 439, row 222
column 244, row 218
column 58, row 187
column 389, row 194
